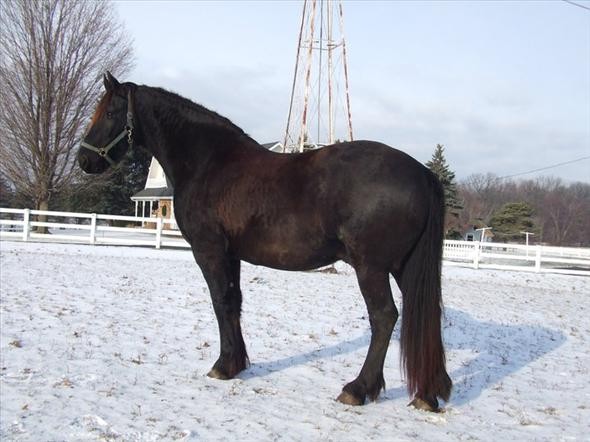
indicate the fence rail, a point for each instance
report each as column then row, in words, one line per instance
column 537, row 258
column 92, row 228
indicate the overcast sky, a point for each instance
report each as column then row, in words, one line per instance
column 504, row 86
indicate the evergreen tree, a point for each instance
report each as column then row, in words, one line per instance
column 438, row 165
column 111, row 193
column 511, row 220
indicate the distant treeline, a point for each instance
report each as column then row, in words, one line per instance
column 559, row 212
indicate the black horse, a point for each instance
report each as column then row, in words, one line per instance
column 362, row 202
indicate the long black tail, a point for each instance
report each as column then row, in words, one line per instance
column 422, row 351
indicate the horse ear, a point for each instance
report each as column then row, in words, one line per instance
column 110, row 82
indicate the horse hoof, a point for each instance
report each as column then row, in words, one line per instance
column 348, row 399
column 421, row 404
column 216, row 374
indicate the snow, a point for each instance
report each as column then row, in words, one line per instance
column 114, row 343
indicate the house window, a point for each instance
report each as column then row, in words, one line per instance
column 164, row 210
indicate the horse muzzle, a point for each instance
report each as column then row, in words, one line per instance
column 91, row 165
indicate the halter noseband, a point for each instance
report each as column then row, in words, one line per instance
column 128, row 130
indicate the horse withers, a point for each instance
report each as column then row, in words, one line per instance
column 362, row 202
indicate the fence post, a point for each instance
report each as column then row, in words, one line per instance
column 158, row 232
column 93, row 228
column 476, row 253
column 537, row 258
column 26, row 227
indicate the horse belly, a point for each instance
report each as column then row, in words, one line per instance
column 287, row 249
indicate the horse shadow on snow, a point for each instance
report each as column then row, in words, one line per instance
column 480, row 354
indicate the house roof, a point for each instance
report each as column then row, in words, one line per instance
column 152, row 193
column 275, row 146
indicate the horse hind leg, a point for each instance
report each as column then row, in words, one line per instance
column 383, row 315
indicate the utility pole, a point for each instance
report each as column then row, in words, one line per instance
column 317, row 75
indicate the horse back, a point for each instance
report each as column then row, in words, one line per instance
column 300, row 211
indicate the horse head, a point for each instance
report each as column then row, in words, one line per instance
column 110, row 133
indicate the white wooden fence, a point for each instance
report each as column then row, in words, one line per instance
column 92, row 228
column 537, row 258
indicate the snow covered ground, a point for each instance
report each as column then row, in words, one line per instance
column 114, row 343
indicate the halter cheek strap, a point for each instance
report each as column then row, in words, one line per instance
column 128, row 130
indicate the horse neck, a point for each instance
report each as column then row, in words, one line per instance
column 184, row 137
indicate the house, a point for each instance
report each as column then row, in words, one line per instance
column 474, row 233
column 156, row 199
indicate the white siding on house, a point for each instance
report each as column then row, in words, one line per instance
column 156, row 177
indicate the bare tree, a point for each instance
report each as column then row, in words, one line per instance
column 52, row 56
column 566, row 210
column 560, row 210
column 482, row 195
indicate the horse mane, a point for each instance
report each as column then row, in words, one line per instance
column 200, row 114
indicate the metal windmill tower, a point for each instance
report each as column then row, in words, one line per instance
column 319, row 110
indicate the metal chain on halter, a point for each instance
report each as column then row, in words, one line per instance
column 130, row 136
column 129, row 126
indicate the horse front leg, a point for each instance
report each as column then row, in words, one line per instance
column 223, row 278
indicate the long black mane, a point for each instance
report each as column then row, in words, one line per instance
column 181, row 109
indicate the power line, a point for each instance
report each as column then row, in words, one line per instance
column 545, row 168
column 577, row 4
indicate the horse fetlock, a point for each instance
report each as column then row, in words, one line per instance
column 224, row 372
column 356, row 392
column 347, row 398
column 227, row 367
column 426, row 404
column 216, row 373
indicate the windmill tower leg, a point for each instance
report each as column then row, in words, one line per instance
column 314, row 75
